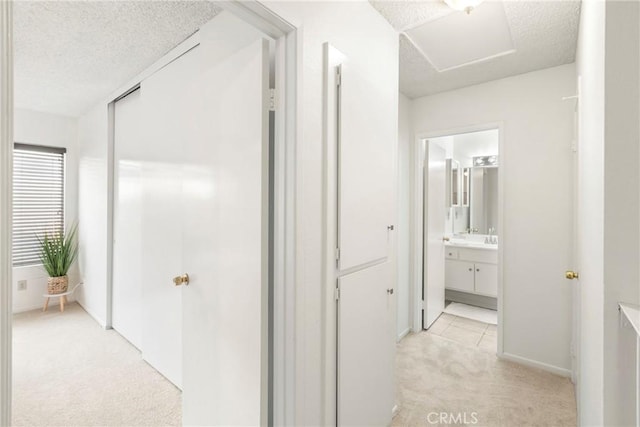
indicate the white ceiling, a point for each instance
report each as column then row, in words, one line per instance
column 544, row 34
column 71, row 54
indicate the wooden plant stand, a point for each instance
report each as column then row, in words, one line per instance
column 63, row 298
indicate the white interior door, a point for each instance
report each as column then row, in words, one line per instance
column 225, row 230
column 366, row 361
column 434, row 227
column 127, row 216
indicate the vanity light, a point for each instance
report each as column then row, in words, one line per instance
column 465, row 5
column 482, row 161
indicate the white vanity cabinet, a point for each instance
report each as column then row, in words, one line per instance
column 486, row 279
column 458, row 275
column 472, row 270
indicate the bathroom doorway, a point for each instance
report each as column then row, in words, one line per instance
column 460, row 212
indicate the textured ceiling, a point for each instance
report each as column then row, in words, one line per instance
column 71, row 54
column 544, row 33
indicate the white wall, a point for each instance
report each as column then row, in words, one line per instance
column 405, row 139
column 93, row 213
column 357, row 30
column 536, row 162
column 31, row 127
column 621, row 205
column 609, row 208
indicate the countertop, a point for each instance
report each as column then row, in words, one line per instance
column 471, row 245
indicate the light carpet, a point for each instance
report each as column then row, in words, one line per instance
column 68, row 371
column 471, row 312
column 437, row 377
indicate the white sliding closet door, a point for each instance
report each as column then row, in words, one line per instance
column 202, row 182
column 226, row 231
column 168, row 115
column 127, row 219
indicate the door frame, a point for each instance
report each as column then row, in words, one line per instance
column 6, row 165
column 416, row 221
column 282, row 363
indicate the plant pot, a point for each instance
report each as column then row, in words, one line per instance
column 57, row 285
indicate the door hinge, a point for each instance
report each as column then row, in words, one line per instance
column 336, row 293
column 338, row 77
column 337, row 254
column 272, row 100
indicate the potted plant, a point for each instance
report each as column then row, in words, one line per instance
column 57, row 252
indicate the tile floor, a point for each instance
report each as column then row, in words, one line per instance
column 466, row 331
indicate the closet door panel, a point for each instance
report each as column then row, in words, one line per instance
column 127, row 219
column 366, row 173
column 225, row 232
column 168, row 110
column 366, row 347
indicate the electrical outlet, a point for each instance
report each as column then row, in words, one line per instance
column 22, row 285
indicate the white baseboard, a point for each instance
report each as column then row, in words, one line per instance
column 99, row 321
column 535, row 364
column 403, row 334
column 53, row 302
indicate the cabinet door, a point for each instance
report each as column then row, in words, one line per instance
column 365, row 356
column 458, row 275
column 366, row 178
column 486, row 279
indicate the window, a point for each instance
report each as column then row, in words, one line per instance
column 38, row 199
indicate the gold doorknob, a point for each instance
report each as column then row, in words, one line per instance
column 445, row 239
column 181, row 280
column 571, row 275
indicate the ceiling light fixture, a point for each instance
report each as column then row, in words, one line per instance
column 463, row 5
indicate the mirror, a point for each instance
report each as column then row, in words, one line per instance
column 471, row 181
column 484, row 200
column 466, row 182
column 453, row 183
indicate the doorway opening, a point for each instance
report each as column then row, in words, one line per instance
column 461, row 218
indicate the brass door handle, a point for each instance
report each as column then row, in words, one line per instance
column 571, row 275
column 445, row 239
column 181, row 280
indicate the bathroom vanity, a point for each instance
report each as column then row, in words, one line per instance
column 472, row 267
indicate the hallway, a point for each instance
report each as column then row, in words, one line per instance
column 438, row 377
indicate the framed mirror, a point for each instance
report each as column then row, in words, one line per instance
column 484, row 192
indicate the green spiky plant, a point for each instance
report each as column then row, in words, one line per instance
column 58, row 251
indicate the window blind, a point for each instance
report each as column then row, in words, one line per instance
column 38, row 199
